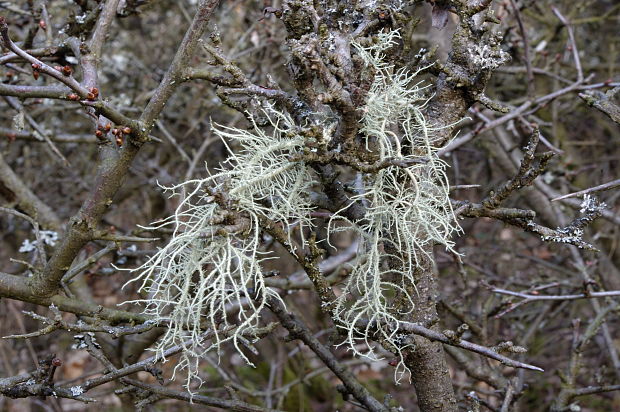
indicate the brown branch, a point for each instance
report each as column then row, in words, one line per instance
column 91, row 260
column 11, row 134
column 309, row 262
column 532, row 106
column 40, row 52
column 90, row 56
column 535, row 70
column 524, row 219
column 36, row 127
column 84, row 94
column 575, row 203
column 174, row 76
column 240, row 84
column 26, row 390
column 39, row 65
column 231, row 405
column 573, row 43
column 352, row 161
column 606, row 186
column 38, row 383
column 148, row 363
column 19, row 288
column 603, row 102
column 532, row 298
column 298, row 330
column 51, row 92
column 591, row 390
column 11, row 381
column 476, row 369
column 569, row 389
column 59, row 324
column 505, row 214
column 528, row 171
column 526, row 50
column 143, row 365
column 297, row 280
column 100, row 33
column 111, row 172
column 473, row 347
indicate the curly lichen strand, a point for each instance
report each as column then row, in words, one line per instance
column 196, row 276
column 408, row 207
column 210, row 264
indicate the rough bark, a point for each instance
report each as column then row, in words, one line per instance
column 427, row 360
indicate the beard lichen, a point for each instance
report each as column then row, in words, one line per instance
column 408, row 209
column 213, row 260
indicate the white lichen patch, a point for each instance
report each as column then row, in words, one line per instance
column 48, row 237
column 76, row 390
column 487, row 57
column 213, row 260
column 573, row 233
column 591, row 205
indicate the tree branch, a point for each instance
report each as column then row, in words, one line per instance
column 299, row 331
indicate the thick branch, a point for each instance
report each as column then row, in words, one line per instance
column 112, row 172
column 174, row 76
column 17, row 287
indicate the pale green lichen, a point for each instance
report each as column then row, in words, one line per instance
column 213, row 260
column 408, row 208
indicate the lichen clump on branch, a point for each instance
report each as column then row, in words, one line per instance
column 213, row 261
column 408, row 208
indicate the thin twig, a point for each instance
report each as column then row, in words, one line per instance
column 91, row 260
column 37, row 128
column 298, row 330
column 605, row 186
column 231, row 405
column 573, row 43
column 526, row 50
column 35, row 228
column 531, row 298
column 473, row 347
